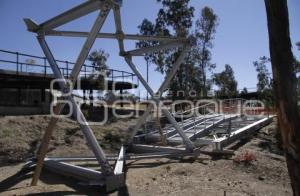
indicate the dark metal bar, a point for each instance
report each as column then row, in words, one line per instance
column 67, row 65
column 17, row 62
column 45, row 67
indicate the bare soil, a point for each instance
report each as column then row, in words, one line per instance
column 20, row 136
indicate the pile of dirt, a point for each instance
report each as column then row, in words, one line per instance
column 20, row 137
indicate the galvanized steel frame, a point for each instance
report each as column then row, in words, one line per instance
column 48, row 29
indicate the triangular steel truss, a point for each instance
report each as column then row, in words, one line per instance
column 104, row 6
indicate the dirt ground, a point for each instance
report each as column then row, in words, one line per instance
column 19, row 138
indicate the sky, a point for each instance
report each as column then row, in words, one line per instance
column 241, row 36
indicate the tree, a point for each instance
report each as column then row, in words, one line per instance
column 176, row 18
column 265, row 82
column 296, row 61
column 263, row 74
column 98, row 58
column 285, row 86
column 226, row 82
column 297, row 70
column 298, row 45
column 205, row 31
column 244, row 91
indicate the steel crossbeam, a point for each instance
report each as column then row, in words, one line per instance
column 114, row 36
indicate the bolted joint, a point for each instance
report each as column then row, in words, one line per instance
column 126, row 55
column 40, row 34
column 120, row 35
column 66, row 90
column 105, row 7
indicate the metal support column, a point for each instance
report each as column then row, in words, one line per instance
column 75, row 72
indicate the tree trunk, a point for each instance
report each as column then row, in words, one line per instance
column 285, row 86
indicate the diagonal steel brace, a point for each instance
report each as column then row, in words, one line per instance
column 75, row 72
column 189, row 144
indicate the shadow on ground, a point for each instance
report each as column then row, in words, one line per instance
column 49, row 178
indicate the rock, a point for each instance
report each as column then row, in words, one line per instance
column 261, row 178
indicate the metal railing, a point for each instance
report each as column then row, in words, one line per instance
column 21, row 63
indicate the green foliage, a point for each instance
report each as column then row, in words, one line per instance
column 265, row 81
column 297, row 69
column 226, row 82
column 176, row 18
column 6, row 132
column 263, row 75
column 98, row 59
column 205, row 30
column 109, row 137
column 244, row 91
column 296, row 65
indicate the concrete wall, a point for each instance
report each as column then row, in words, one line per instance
column 24, row 101
column 23, row 110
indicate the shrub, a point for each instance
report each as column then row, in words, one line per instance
column 245, row 157
column 112, row 138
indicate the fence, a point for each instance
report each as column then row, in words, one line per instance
column 24, row 63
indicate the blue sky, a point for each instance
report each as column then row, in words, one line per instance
column 241, row 37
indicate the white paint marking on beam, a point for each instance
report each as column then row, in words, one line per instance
column 120, row 162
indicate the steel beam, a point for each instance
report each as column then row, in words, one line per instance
column 75, row 72
column 151, row 49
column 89, row 42
column 119, row 31
column 138, row 148
column 174, row 69
column 139, row 123
column 205, row 131
column 157, row 153
column 221, row 142
column 45, row 145
column 77, row 172
column 115, row 36
column 172, row 120
column 163, row 86
column 91, row 139
column 72, row 14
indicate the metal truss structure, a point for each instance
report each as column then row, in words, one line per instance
column 111, row 176
column 191, row 133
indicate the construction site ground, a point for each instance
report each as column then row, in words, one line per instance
column 266, row 174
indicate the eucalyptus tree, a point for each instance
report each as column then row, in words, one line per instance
column 176, row 18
